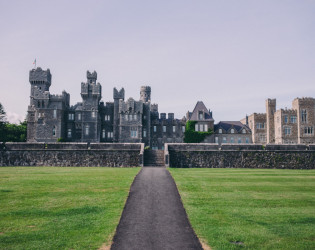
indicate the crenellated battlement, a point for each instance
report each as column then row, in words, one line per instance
column 38, row 75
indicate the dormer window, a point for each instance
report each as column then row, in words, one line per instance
column 201, row 116
column 244, row 131
column 220, row 130
column 232, row 131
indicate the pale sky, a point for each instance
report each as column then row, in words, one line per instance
column 232, row 55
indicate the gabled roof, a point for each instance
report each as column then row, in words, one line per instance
column 200, row 106
column 227, row 125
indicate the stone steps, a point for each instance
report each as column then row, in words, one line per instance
column 154, row 158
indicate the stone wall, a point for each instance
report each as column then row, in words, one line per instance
column 240, row 156
column 72, row 154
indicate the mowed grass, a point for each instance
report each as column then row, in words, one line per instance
column 250, row 208
column 61, row 208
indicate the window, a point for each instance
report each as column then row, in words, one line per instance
column 164, row 129
column 144, row 133
column 244, row 131
column 196, row 127
column 79, row 116
column 293, row 119
column 183, row 129
column 174, row 129
column 69, row 135
column 216, row 139
column 247, row 140
column 239, row 140
column 133, row 133
column 287, row 130
column 55, row 113
column 130, row 117
column 232, row 131
column 206, row 127
column 220, row 131
column 54, row 131
column 110, row 134
column 308, row 130
column 286, row 119
column 232, row 140
column 144, row 117
column 135, row 117
column 304, row 115
column 262, row 138
column 103, row 133
column 87, row 130
column 260, row 125
column 201, row 127
column 70, row 117
column 93, row 114
column 126, row 117
column 224, row 140
column 154, row 128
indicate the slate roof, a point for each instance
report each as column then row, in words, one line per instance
column 200, row 106
column 227, row 125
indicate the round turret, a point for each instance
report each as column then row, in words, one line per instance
column 145, row 93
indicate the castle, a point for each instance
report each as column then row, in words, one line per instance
column 284, row 126
column 51, row 117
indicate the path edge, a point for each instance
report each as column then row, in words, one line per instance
column 112, row 236
column 201, row 241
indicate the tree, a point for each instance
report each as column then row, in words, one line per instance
column 2, row 114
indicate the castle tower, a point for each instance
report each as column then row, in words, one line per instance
column 117, row 95
column 145, row 93
column 91, row 93
column 270, row 110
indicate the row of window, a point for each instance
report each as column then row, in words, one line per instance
column 260, row 125
column 286, row 119
column 131, row 117
column 164, row 129
column 308, row 130
column 201, row 127
column 232, row 140
column 232, row 131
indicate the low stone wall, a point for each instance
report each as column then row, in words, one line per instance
column 240, row 156
column 72, row 154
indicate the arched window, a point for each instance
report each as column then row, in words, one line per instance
column 87, row 130
column 103, row 133
column 69, row 133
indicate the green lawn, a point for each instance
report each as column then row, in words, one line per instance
column 61, row 208
column 256, row 209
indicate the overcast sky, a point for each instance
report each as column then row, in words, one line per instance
column 232, row 55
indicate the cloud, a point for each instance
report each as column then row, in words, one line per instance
column 14, row 117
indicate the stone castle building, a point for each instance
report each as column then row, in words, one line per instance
column 284, row 126
column 51, row 117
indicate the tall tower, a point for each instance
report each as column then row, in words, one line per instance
column 270, row 110
column 91, row 93
column 40, row 81
column 117, row 95
column 145, row 94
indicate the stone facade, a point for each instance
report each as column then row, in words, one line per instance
column 284, row 126
column 240, row 156
column 72, row 154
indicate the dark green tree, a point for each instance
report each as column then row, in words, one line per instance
column 2, row 123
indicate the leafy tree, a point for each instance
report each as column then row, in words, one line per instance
column 2, row 123
column 11, row 132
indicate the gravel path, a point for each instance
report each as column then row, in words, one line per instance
column 154, row 216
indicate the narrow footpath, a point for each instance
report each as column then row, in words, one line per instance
column 154, row 216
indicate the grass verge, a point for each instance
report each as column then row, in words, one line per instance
column 61, row 208
column 250, row 208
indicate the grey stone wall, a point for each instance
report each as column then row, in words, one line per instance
column 240, row 156
column 72, row 154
